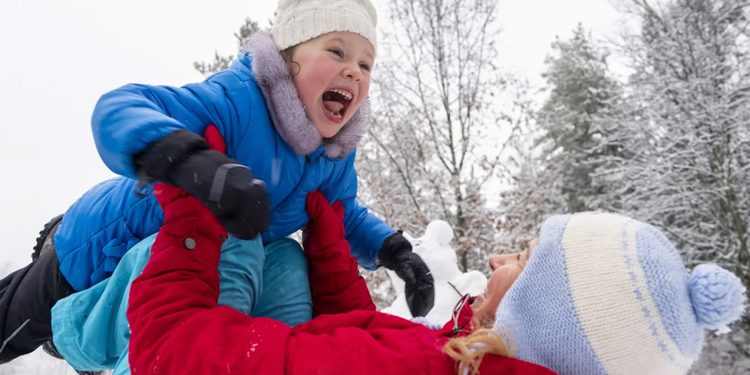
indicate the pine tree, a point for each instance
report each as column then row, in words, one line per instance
column 556, row 157
column 581, row 92
column 221, row 62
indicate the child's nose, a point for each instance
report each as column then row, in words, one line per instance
column 495, row 261
column 353, row 72
column 499, row 260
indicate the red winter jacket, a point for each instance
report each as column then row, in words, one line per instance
column 177, row 327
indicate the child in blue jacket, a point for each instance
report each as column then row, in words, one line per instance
column 291, row 110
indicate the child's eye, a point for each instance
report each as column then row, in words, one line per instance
column 339, row 53
column 364, row 66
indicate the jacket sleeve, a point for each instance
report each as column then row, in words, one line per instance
column 364, row 230
column 176, row 325
column 335, row 283
column 125, row 121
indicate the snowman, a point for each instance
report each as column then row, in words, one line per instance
column 450, row 283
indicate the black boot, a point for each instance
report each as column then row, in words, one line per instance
column 43, row 234
column 50, row 349
column 27, row 296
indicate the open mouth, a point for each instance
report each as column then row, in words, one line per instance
column 337, row 102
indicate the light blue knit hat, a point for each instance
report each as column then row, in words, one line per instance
column 605, row 294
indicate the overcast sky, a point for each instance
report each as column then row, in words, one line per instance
column 58, row 57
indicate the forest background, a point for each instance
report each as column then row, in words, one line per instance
column 653, row 123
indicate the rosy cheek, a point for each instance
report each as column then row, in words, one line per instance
column 301, row 86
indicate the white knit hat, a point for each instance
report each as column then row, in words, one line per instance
column 298, row 21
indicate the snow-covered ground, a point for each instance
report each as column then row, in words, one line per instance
column 36, row 363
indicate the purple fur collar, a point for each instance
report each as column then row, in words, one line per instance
column 286, row 109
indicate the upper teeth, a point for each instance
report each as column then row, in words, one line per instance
column 345, row 94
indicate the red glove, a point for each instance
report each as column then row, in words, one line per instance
column 324, row 235
column 335, row 282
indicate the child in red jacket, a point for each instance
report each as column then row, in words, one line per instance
column 177, row 327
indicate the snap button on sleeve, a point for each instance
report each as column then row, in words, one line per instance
column 190, row 243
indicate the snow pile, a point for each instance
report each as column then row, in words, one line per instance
column 450, row 282
column 37, row 362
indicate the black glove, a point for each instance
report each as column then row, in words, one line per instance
column 227, row 188
column 396, row 254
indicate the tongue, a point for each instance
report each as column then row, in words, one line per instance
column 333, row 106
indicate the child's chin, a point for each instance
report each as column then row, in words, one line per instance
column 328, row 130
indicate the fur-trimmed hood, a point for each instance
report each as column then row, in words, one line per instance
column 286, row 110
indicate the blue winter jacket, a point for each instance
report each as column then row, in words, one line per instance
column 113, row 216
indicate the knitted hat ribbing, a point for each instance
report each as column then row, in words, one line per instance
column 605, row 294
column 298, row 21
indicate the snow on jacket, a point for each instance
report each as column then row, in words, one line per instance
column 255, row 106
column 177, row 328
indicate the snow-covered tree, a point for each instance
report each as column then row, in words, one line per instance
column 438, row 135
column 557, row 152
column 687, row 133
column 534, row 193
column 581, row 92
column 684, row 127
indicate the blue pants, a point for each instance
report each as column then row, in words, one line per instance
column 271, row 283
column 90, row 327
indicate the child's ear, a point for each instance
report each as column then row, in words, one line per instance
column 288, row 56
column 293, row 68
